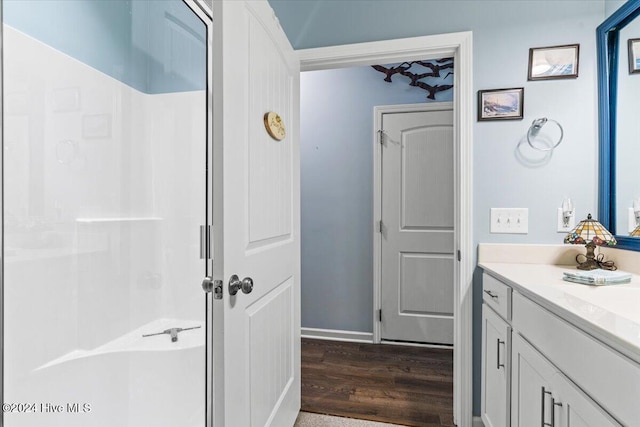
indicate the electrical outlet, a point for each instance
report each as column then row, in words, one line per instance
column 510, row 220
column 570, row 226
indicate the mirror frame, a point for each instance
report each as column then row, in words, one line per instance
column 608, row 53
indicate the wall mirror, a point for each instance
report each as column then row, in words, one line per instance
column 619, row 95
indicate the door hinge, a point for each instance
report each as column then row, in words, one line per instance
column 380, row 315
column 381, row 137
column 380, row 226
column 205, row 242
column 459, row 255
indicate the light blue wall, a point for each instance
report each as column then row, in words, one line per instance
column 337, row 190
column 124, row 39
column 611, row 6
column 506, row 173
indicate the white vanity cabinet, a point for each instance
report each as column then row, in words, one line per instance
column 540, row 370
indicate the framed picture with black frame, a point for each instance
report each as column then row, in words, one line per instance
column 501, row 104
column 634, row 56
column 554, row 62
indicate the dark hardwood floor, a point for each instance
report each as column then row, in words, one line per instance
column 395, row 384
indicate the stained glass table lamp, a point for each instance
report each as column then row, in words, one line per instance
column 591, row 233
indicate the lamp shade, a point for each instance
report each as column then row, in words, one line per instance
column 590, row 231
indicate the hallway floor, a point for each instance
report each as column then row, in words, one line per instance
column 308, row 419
column 404, row 385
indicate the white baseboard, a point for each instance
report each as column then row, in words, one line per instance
column 477, row 422
column 337, row 335
column 416, row 344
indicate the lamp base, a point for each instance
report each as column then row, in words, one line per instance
column 590, row 263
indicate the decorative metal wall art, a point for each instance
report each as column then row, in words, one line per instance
column 413, row 71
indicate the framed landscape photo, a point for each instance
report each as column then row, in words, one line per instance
column 634, row 56
column 501, row 104
column 554, row 62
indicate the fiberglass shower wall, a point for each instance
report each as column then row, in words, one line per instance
column 104, row 190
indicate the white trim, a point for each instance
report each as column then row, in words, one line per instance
column 337, row 335
column 385, row 52
column 212, row 387
column 477, row 422
column 204, row 6
column 458, row 45
column 463, row 310
column 378, row 112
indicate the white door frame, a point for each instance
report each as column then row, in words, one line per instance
column 378, row 111
column 203, row 11
column 459, row 46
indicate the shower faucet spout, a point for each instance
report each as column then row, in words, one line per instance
column 173, row 332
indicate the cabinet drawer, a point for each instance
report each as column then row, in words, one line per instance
column 497, row 295
column 610, row 379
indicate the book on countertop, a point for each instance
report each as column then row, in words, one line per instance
column 597, row 277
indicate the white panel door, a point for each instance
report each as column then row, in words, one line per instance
column 257, row 366
column 418, row 226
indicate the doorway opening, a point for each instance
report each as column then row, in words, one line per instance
column 457, row 46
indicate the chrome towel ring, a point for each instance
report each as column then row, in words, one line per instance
column 534, row 130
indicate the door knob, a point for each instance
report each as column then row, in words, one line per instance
column 235, row 284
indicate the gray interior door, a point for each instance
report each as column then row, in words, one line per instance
column 418, row 226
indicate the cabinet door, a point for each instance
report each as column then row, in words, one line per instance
column 575, row 409
column 531, row 376
column 496, row 343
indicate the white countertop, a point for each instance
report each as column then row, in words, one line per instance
column 609, row 313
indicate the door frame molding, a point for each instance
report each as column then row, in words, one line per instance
column 203, row 11
column 378, row 112
column 458, row 45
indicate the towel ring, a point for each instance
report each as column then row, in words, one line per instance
column 534, row 130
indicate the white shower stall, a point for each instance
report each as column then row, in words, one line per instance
column 105, row 140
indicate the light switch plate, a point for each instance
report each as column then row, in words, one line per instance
column 572, row 222
column 510, row 220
